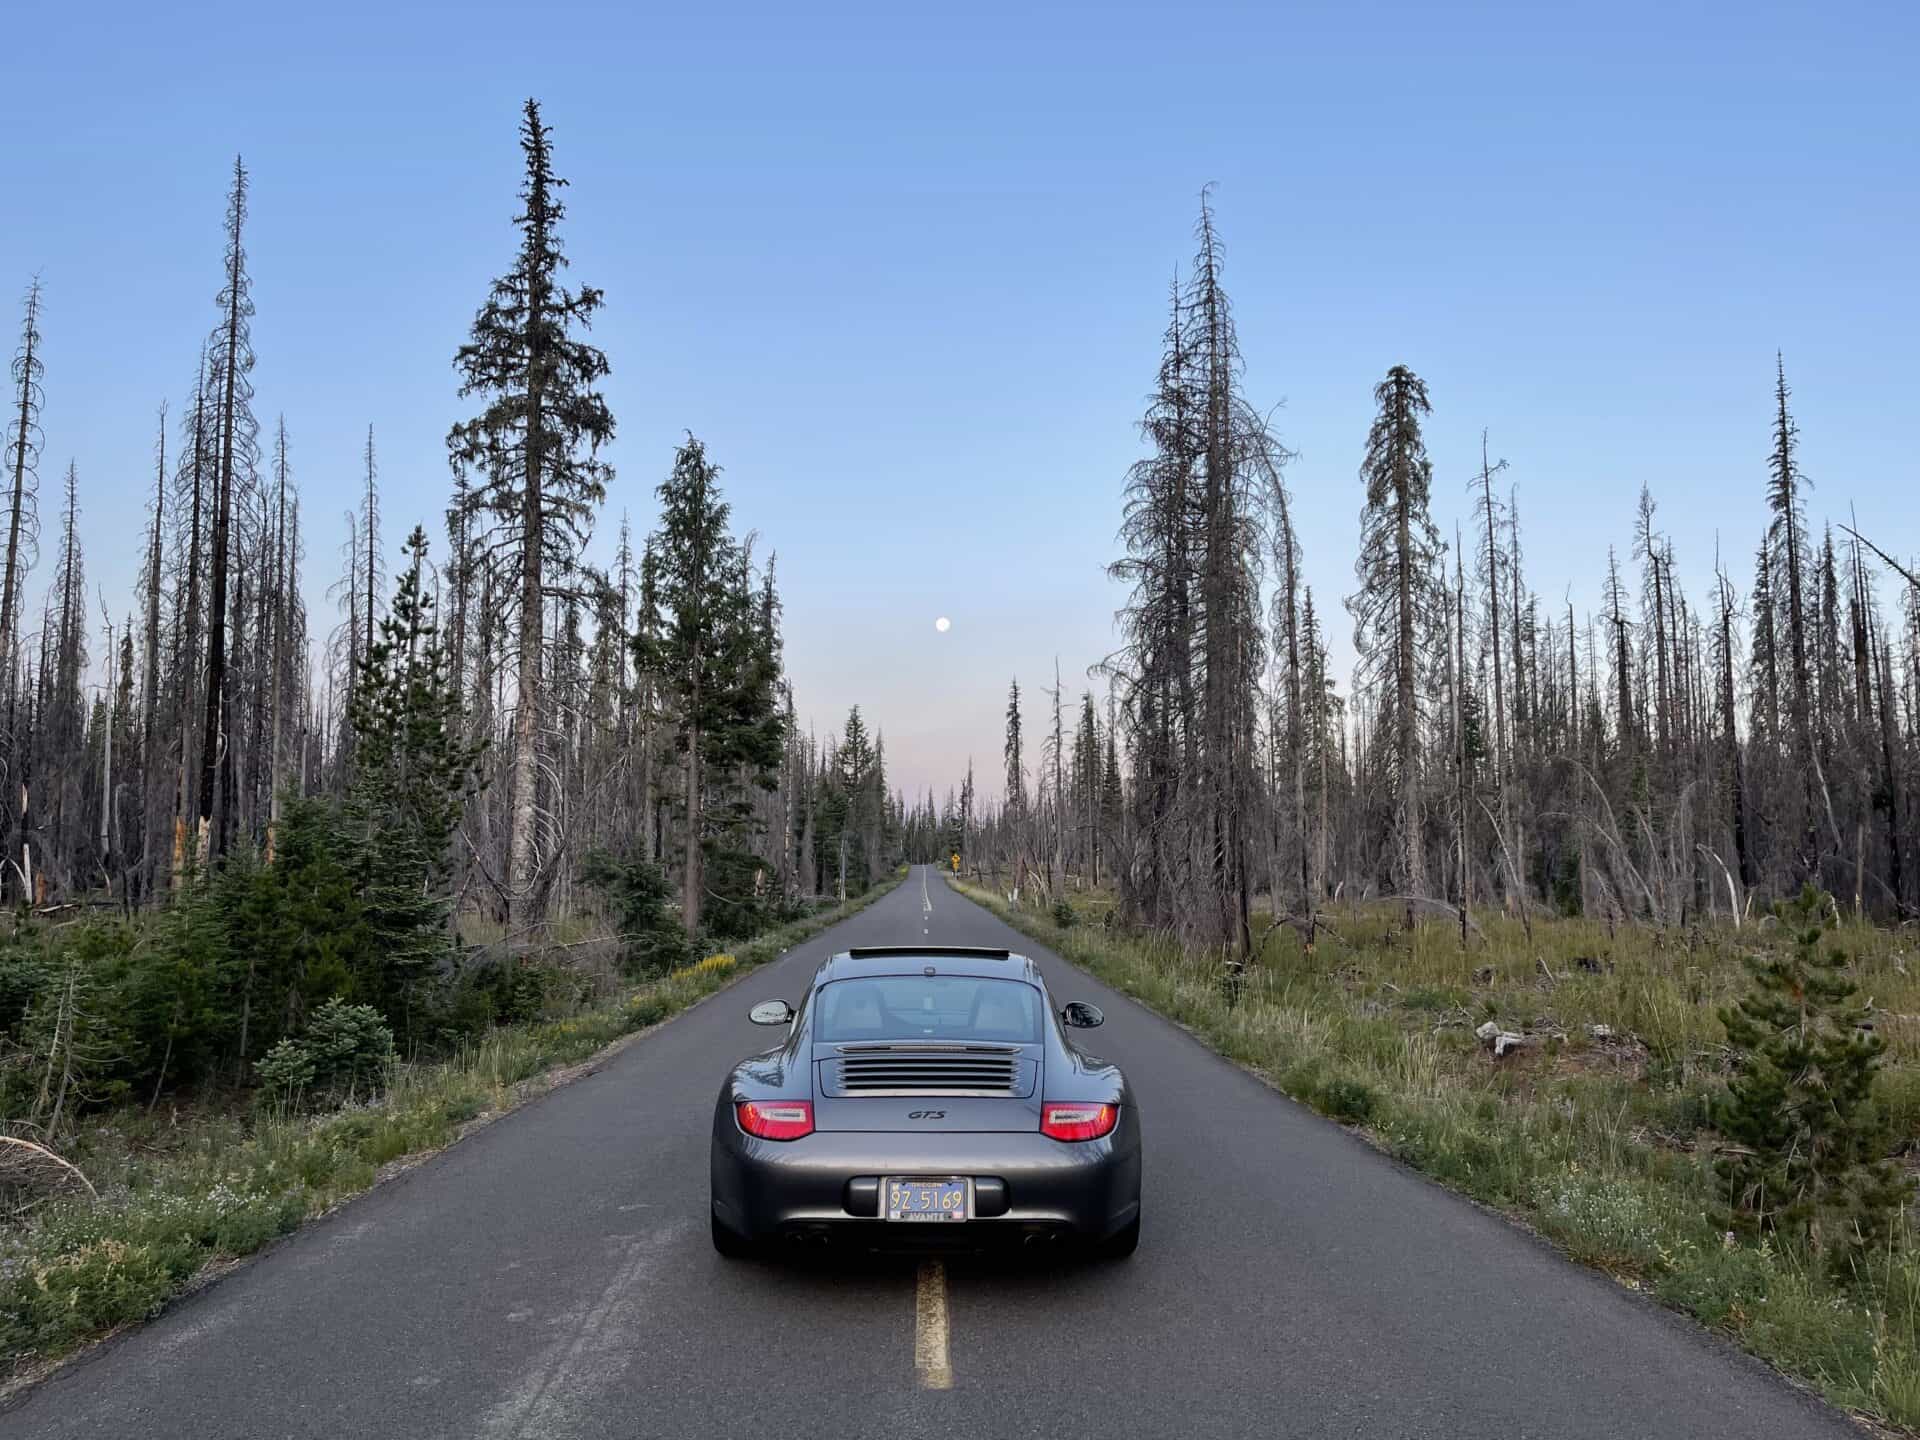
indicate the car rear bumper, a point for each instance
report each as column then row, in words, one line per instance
column 1026, row 1185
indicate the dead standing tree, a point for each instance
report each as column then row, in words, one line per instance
column 22, row 455
column 235, row 441
column 1199, row 515
column 1153, row 669
column 1490, row 562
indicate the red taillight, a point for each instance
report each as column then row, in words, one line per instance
column 776, row 1119
column 1078, row 1122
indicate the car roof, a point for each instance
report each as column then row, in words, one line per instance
column 918, row 959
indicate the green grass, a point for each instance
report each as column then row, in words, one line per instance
column 1598, row 1140
column 184, row 1189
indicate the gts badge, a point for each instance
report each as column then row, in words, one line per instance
column 926, row 1115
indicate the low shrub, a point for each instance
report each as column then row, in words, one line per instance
column 1345, row 1099
column 286, row 1071
column 1813, row 1143
column 345, row 1050
column 350, row 1045
column 645, row 1010
column 95, row 1286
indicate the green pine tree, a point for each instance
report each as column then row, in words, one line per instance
column 855, row 774
column 292, row 935
column 533, row 457
column 414, row 768
column 651, row 940
column 413, row 773
column 1811, row 1139
column 713, row 640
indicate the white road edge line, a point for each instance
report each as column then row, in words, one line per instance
column 931, row 1365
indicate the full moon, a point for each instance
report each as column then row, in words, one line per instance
column 943, row 624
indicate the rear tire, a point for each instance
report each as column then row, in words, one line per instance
column 730, row 1245
column 1122, row 1243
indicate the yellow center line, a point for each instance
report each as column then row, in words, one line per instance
column 930, row 1362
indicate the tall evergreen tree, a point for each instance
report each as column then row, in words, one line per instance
column 1395, row 608
column 1014, row 806
column 415, row 766
column 1787, row 537
column 856, row 772
column 712, row 642
column 1086, row 785
column 413, row 771
column 532, row 457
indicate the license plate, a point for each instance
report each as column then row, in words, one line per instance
column 928, row 1201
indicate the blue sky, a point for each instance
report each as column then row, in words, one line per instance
column 903, row 269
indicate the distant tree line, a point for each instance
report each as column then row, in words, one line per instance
column 1668, row 757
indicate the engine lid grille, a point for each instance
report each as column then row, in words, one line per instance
column 985, row 1070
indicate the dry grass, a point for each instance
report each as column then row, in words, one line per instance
column 1596, row 1131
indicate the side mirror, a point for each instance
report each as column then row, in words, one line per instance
column 1080, row 1015
column 771, row 1012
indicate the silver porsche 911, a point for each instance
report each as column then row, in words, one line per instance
column 926, row 1096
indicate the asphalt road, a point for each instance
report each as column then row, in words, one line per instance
column 551, row 1276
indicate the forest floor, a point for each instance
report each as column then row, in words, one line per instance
column 1594, row 1130
column 174, row 1195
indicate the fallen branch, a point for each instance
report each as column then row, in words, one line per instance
column 480, row 865
column 1432, row 904
column 1905, row 573
column 1308, row 925
column 42, row 1151
column 1733, row 895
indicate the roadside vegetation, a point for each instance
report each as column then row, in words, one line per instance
column 1604, row 1122
column 148, row 1198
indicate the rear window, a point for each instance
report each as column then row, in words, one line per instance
column 928, row 1007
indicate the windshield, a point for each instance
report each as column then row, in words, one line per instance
column 929, row 1007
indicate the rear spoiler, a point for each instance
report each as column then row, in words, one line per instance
column 890, row 952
